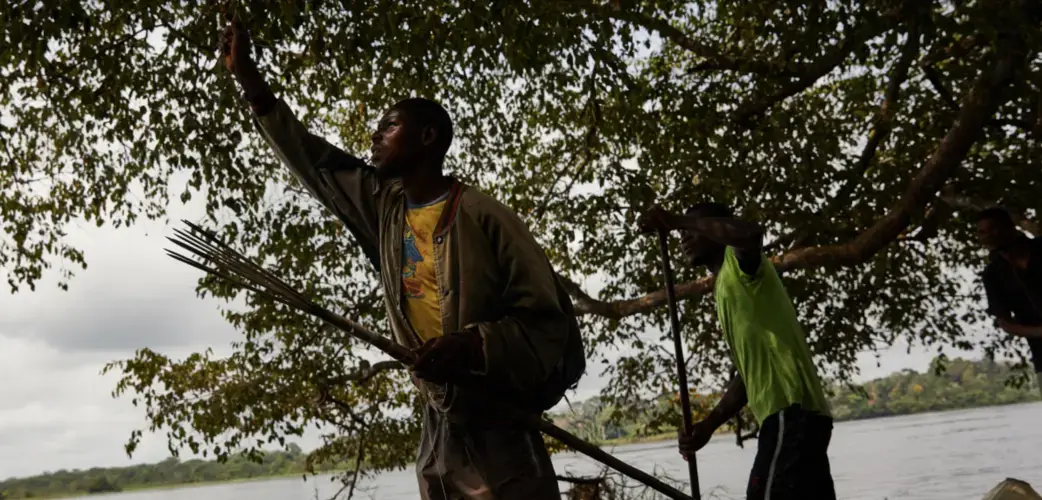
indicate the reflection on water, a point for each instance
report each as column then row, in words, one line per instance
column 939, row 456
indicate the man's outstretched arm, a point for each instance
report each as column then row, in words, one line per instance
column 1026, row 331
column 235, row 49
column 745, row 237
column 344, row 184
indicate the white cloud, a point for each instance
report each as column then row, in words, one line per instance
column 132, row 295
column 56, row 409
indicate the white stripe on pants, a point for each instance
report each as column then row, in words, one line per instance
column 777, row 452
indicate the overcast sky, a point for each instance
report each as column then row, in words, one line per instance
column 56, row 410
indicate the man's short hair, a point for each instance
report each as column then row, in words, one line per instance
column 428, row 113
column 997, row 215
column 710, row 209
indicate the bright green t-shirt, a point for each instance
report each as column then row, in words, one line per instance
column 767, row 342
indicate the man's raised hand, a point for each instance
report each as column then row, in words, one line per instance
column 655, row 219
column 700, row 435
column 235, row 49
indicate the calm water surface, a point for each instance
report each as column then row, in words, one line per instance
column 938, row 456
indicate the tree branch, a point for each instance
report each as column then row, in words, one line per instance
column 960, row 49
column 884, row 121
column 578, row 294
column 346, row 408
column 359, row 457
column 934, row 77
column 881, row 130
column 813, row 72
column 589, row 141
column 581, row 480
column 187, row 39
column 714, row 59
column 978, row 107
column 366, row 371
column 118, row 42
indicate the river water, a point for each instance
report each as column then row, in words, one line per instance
column 936, row 456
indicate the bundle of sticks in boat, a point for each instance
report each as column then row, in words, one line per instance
column 213, row 256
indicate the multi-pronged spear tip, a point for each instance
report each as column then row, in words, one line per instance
column 216, row 258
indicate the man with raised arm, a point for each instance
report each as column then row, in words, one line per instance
column 776, row 376
column 465, row 285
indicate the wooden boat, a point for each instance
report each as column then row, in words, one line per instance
column 1012, row 489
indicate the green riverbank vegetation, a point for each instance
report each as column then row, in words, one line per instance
column 945, row 385
column 168, row 473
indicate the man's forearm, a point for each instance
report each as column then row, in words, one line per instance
column 730, row 404
column 726, row 231
column 256, row 90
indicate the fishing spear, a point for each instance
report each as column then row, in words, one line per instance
column 231, row 266
column 678, row 350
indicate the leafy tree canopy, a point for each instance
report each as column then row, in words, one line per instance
column 858, row 133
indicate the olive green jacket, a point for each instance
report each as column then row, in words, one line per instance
column 492, row 274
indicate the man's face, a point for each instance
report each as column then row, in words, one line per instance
column 698, row 249
column 396, row 143
column 993, row 234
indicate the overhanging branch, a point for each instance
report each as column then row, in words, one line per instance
column 882, row 126
column 884, row 121
column 367, row 371
column 813, row 72
column 713, row 58
column 936, row 81
column 978, row 107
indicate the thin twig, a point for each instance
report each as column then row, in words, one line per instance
column 358, row 462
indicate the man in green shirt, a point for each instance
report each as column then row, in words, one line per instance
column 776, row 376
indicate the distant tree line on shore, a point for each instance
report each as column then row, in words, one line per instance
column 945, row 385
column 169, row 472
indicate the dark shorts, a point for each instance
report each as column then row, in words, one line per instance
column 792, row 459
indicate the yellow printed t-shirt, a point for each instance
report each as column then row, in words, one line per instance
column 419, row 281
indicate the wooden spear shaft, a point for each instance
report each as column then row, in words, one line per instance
column 678, row 350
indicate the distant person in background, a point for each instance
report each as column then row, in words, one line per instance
column 1013, row 279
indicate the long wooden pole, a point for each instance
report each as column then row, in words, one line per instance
column 678, row 350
